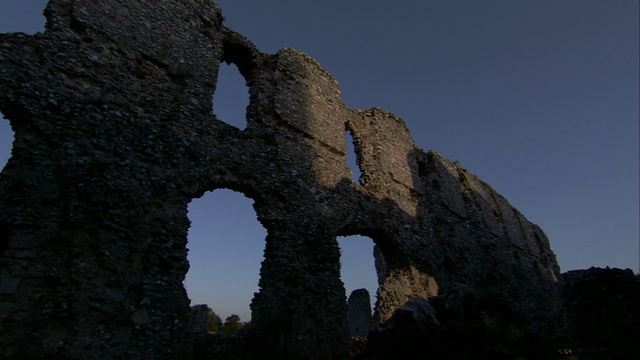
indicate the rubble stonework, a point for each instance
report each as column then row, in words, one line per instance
column 115, row 135
column 200, row 318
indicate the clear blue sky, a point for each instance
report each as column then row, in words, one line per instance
column 539, row 98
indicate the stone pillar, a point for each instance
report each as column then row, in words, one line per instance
column 300, row 311
column 359, row 313
column 200, row 318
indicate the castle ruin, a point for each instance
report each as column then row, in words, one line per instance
column 115, row 135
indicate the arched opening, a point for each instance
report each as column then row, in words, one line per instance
column 226, row 248
column 352, row 158
column 358, row 271
column 6, row 141
column 231, row 98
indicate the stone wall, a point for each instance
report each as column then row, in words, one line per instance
column 115, row 135
column 603, row 308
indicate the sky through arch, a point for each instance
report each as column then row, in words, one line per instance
column 226, row 249
column 357, row 265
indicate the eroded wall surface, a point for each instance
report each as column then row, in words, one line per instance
column 115, row 135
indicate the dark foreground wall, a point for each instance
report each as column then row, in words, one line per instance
column 603, row 308
column 115, row 135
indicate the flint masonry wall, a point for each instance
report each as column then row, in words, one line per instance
column 115, row 135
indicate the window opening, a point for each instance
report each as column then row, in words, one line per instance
column 357, row 265
column 6, row 141
column 226, row 248
column 231, row 98
column 352, row 158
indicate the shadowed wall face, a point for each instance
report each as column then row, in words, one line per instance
column 114, row 136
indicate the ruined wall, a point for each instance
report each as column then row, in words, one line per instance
column 115, row 135
column 603, row 307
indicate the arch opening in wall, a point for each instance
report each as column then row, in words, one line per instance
column 231, row 97
column 226, row 248
column 6, row 141
column 352, row 158
column 357, row 267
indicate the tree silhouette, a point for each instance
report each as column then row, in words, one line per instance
column 214, row 323
column 231, row 325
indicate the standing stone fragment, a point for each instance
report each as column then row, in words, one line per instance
column 359, row 313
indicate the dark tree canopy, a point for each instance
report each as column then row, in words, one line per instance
column 214, row 323
column 232, row 324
